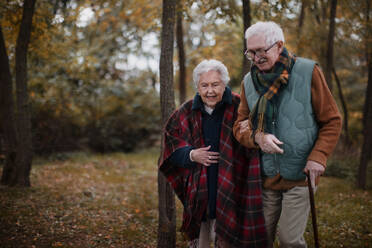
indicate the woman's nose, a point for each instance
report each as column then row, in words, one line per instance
column 209, row 89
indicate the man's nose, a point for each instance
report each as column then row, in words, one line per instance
column 256, row 57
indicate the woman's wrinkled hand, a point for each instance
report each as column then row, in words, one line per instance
column 204, row 156
column 244, row 126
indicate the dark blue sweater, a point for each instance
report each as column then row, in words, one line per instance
column 211, row 124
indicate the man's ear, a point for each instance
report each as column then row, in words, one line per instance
column 280, row 45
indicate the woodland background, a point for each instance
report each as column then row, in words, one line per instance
column 84, row 77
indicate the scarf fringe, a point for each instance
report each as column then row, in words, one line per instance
column 260, row 126
column 194, row 243
column 217, row 244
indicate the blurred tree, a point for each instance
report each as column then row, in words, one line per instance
column 345, row 64
column 211, row 28
column 330, row 44
column 181, row 54
column 17, row 128
column 167, row 208
column 345, row 124
column 246, row 23
column 7, row 114
column 351, row 63
column 88, row 46
column 366, row 154
column 301, row 20
column 329, row 70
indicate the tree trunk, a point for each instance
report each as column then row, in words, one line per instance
column 19, row 155
column 344, row 107
column 366, row 153
column 300, row 26
column 7, row 114
column 316, row 12
column 320, row 20
column 167, row 210
column 181, row 57
column 301, row 17
column 331, row 35
column 24, row 146
column 247, row 23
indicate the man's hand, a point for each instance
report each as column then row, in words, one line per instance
column 203, row 156
column 268, row 143
column 315, row 169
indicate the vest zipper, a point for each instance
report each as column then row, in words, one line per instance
column 273, row 128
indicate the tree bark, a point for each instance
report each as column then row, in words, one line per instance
column 181, row 57
column 7, row 114
column 330, row 42
column 344, row 107
column 24, row 146
column 366, row 154
column 301, row 17
column 19, row 159
column 300, row 26
column 167, row 210
column 247, row 23
column 316, row 12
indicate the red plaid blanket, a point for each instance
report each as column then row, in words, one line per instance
column 239, row 214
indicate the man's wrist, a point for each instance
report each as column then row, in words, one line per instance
column 258, row 137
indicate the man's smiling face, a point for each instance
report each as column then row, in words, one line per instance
column 266, row 61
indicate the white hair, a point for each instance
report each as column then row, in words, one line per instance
column 210, row 65
column 270, row 30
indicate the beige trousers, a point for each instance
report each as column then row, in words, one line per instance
column 289, row 210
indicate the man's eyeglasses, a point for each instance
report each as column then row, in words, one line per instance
column 250, row 55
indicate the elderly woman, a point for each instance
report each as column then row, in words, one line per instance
column 216, row 179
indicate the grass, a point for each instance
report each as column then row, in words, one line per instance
column 87, row 200
column 344, row 215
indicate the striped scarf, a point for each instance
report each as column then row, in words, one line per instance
column 268, row 86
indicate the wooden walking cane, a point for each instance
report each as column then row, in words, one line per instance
column 313, row 214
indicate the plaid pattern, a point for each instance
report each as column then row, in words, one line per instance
column 239, row 214
column 267, row 86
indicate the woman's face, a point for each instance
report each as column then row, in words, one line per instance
column 211, row 88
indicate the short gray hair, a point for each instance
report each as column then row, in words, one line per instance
column 210, row 65
column 270, row 30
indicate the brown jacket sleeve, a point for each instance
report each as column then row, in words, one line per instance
column 326, row 114
column 244, row 138
column 328, row 118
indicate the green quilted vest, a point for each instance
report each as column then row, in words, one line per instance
column 295, row 123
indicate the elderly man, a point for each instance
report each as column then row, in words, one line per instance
column 288, row 112
column 216, row 179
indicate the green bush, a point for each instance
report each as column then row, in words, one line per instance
column 345, row 165
column 106, row 119
column 53, row 131
column 342, row 168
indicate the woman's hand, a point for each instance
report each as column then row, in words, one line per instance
column 203, row 156
column 244, row 126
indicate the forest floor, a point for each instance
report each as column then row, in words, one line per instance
column 85, row 200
